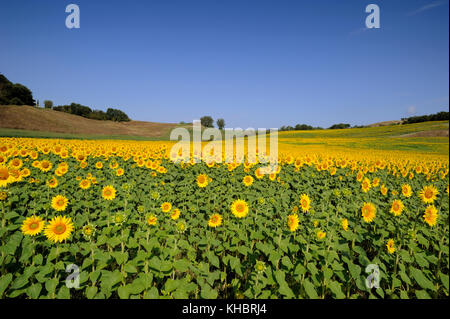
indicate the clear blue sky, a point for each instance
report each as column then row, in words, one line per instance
column 254, row 63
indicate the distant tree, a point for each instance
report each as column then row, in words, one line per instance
column 37, row 103
column 207, row 121
column 440, row 116
column 220, row 124
column 98, row 115
column 116, row 115
column 48, row 104
column 9, row 91
column 339, row 126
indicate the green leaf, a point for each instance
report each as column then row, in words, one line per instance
column 207, row 292
column 335, row 288
column 34, row 290
column 444, row 280
column 182, row 265
column 4, row 282
column 130, row 268
column 91, row 291
column 285, row 261
column 422, row 294
column 123, row 292
column 310, row 290
column 50, row 285
column 421, row 279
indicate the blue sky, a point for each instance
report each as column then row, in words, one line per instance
column 255, row 63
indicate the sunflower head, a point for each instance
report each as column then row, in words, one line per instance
column 215, row 220
column 181, row 227
column 368, row 212
column 293, row 222
column 397, row 207
column 59, row 203
column 390, row 246
column 239, row 208
column 202, row 180
column 305, row 202
column 32, row 225
column 119, row 218
column 109, row 192
column 428, row 194
column 431, row 215
column 88, row 231
column 59, row 229
column 247, row 180
column 260, row 266
column 152, row 219
column 175, row 214
column 166, row 207
column 344, row 224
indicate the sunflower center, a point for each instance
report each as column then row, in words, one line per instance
column 34, row 225
column 240, row 208
column 4, row 174
column 60, row 202
column 428, row 193
column 59, row 229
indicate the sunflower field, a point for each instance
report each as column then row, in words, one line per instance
column 137, row 225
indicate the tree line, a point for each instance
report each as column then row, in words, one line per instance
column 18, row 94
column 440, row 116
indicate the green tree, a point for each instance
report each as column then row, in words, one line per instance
column 207, row 121
column 220, row 124
column 48, row 104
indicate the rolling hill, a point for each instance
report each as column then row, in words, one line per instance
column 38, row 122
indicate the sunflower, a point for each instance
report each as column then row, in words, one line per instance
column 305, row 202
column 151, row 220
column 99, row 165
column 15, row 163
column 175, row 214
column 52, row 182
column 202, row 180
column 365, row 185
column 88, row 230
column 293, row 222
column 383, row 190
column 406, row 190
column 431, row 215
column 59, row 203
column 85, row 184
column 181, row 227
column 260, row 266
column 120, row 172
column 247, row 180
column 428, row 194
column 45, row 165
column 166, row 207
column 344, row 224
column 375, row 182
column 3, row 196
column 321, row 234
column 215, row 220
column 118, row 218
column 368, row 212
column 259, row 173
column 397, row 207
column 5, row 176
column 390, row 246
column 59, row 229
column 239, row 208
column 32, row 225
column 109, row 192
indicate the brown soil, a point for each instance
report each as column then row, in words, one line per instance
column 435, row 133
column 46, row 120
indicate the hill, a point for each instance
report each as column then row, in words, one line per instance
column 38, row 122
